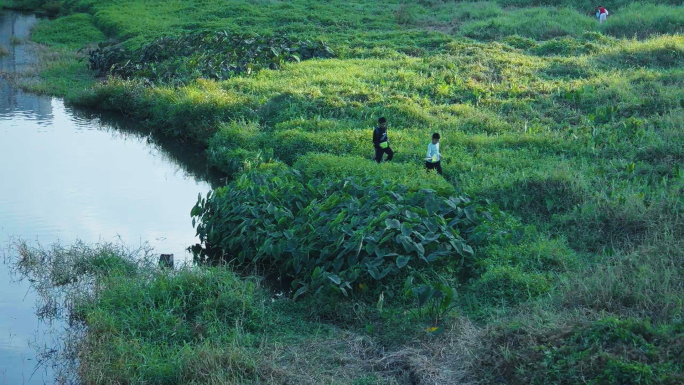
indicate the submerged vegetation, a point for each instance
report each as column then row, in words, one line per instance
column 549, row 252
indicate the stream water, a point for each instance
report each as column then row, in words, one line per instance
column 68, row 174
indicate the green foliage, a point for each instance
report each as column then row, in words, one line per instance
column 73, row 31
column 105, row 263
column 565, row 46
column 642, row 20
column 560, row 121
column 51, row 7
column 338, row 233
column 202, row 55
column 171, row 321
column 529, row 252
column 508, row 285
column 435, row 299
column 536, row 23
column 331, row 167
column 664, row 52
column 606, row 351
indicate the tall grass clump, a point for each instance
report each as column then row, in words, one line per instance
column 141, row 323
column 415, row 177
column 73, row 31
column 602, row 351
column 537, row 23
column 642, row 20
column 660, row 52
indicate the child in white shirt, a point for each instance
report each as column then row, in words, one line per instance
column 432, row 162
column 601, row 13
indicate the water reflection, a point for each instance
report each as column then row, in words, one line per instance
column 68, row 174
column 15, row 25
column 188, row 158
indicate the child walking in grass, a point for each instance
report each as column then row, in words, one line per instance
column 381, row 142
column 601, row 13
column 433, row 160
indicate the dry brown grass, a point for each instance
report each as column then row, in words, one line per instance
column 446, row 359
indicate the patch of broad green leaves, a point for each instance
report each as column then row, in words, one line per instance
column 341, row 232
column 211, row 55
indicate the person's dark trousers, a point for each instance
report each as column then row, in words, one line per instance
column 434, row 166
column 379, row 152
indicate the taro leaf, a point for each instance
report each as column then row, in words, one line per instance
column 406, row 229
column 373, row 271
column 470, row 213
column 352, row 259
column 450, row 203
column 468, row 249
column 431, row 225
column 301, row 291
column 337, row 265
column 425, row 292
column 458, row 245
column 434, row 256
column 431, row 237
column 384, row 273
column 392, row 224
column 408, row 244
column 402, row 261
column 411, row 215
column 419, row 248
column 335, row 279
column 449, row 295
column 376, row 262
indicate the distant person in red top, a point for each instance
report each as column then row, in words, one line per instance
column 601, row 13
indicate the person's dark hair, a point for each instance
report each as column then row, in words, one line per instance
column 435, row 136
column 382, row 120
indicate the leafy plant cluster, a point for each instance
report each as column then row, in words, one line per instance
column 435, row 299
column 338, row 233
column 213, row 55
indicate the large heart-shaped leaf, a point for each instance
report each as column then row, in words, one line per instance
column 392, row 223
column 402, row 261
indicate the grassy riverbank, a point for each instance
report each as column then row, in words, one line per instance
column 574, row 130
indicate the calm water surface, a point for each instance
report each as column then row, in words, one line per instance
column 67, row 174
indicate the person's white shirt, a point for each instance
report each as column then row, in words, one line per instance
column 433, row 150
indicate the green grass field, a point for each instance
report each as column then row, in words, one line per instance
column 573, row 130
